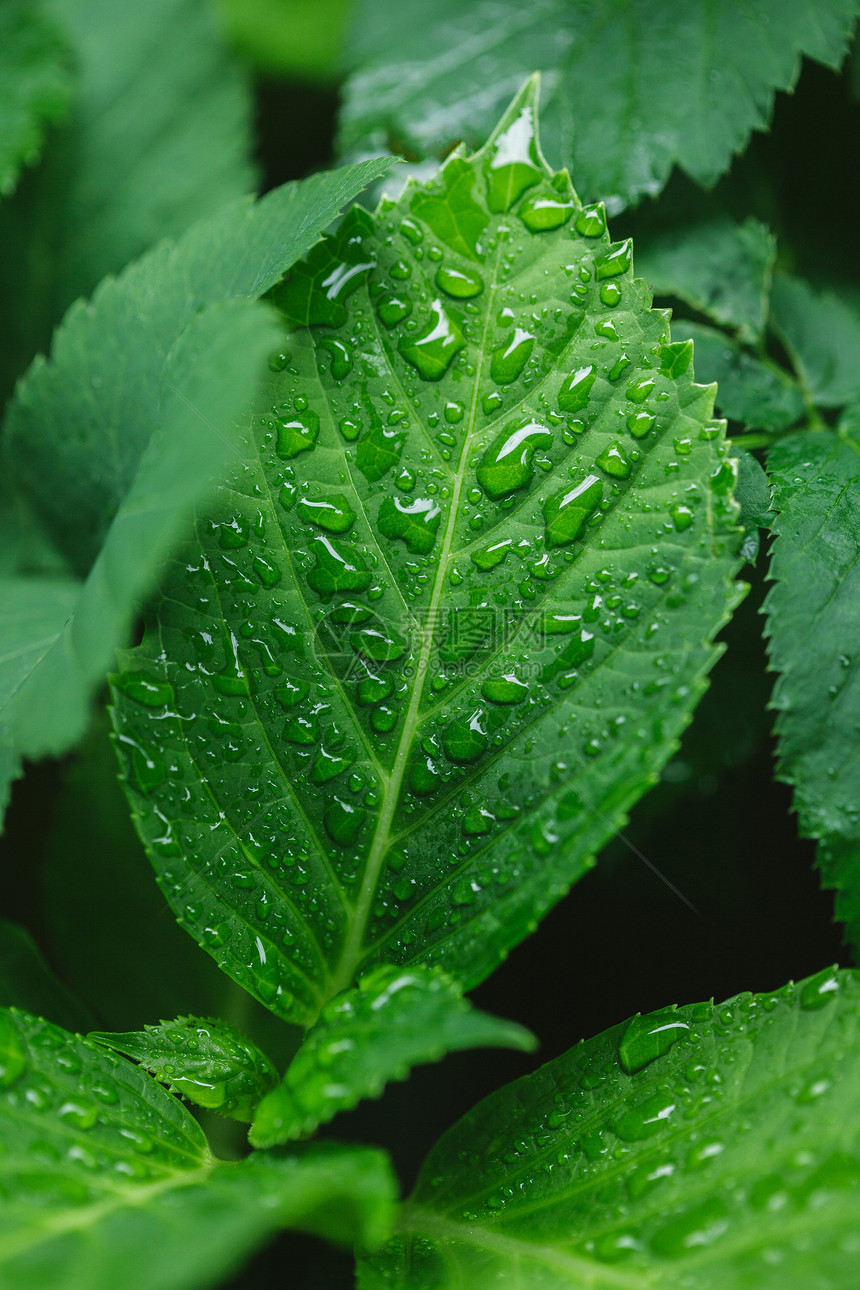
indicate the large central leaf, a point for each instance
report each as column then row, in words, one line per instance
column 456, row 605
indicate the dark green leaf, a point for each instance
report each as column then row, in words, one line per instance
column 108, row 1181
column 27, row 982
column 632, row 88
column 754, row 392
column 821, row 331
column 35, row 84
column 158, row 137
column 391, row 1021
column 714, row 1148
column 717, row 267
column 814, row 627
column 207, row 1061
column 485, row 467
column 752, row 494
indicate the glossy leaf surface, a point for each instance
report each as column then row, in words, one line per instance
column 205, row 1060
column 632, row 88
column 703, row 1148
column 447, row 622
column 814, row 627
column 391, row 1021
column 107, row 1179
column 35, row 85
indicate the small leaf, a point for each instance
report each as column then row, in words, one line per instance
column 813, row 621
column 35, row 84
column 391, row 1021
column 446, row 624
column 435, row 72
column 207, row 1061
column 754, row 392
column 108, row 1180
column 717, row 267
column 704, row 1146
column 821, row 331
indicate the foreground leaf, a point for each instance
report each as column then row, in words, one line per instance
column 207, row 1061
column 35, row 84
column 107, row 1180
column 447, row 623
column 821, row 331
column 118, row 436
column 393, row 1020
column 714, row 1148
column 159, row 136
column 438, row 71
column 813, row 620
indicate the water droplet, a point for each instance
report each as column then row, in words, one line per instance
column 647, row 1119
column 514, row 162
column 392, row 307
column 297, row 435
column 640, row 424
column 349, row 429
column 411, row 231
column 819, row 990
column 383, row 719
column 333, row 514
column 145, row 689
column 505, row 689
column 338, row 569
column 682, row 516
column 279, row 361
column 616, row 259
column 343, row 821
column 13, row 1057
column 610, row 294
column 373, row 689
column 511, row 356
column 462, row 284
column 291, row 693
column 465, row 739
column 567, row 513
column 377, row 645
column 507, row 464
column 341, row 358
column 647, row 1038
column 697, row 1227
column 614, row 462
column 492, row 555
column 591, row 221
column 434, row 351
column 575, row 389
column 638, row 392
column 544, row 211
column 326, row 766
column 314, row 292
column 414, row 521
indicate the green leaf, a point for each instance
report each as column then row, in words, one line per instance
column 35, row 85
column 107, row 1179
column 391, row 1021
column 26, row 981
column 813, row 620
column 119, row 435
column 301, row 38
column 705, row 1146
column 752, row 391
column 159, row 136
column 447, row 624
column 434, row 72
column 821, row 331
column 207, row 1061
column 752, row 493
column 717, row 267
